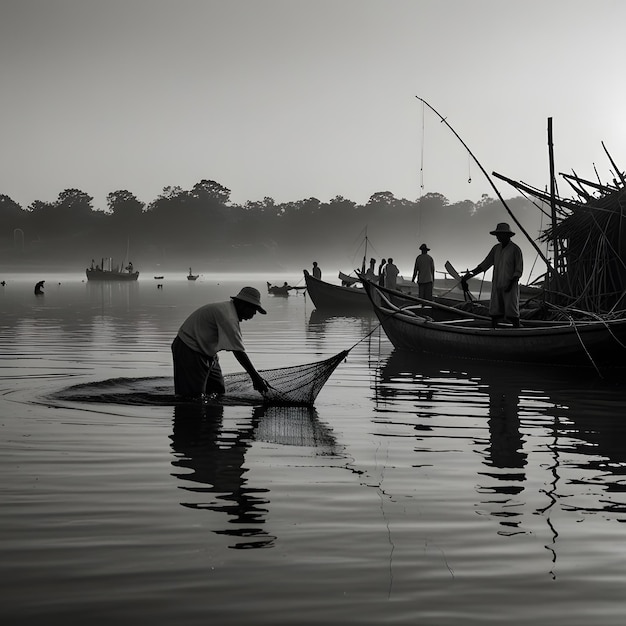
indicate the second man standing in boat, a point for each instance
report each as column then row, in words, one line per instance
column 391, row 272
column 424, row 270
column 507, row 262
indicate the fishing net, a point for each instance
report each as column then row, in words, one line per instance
column 294, row 385
column 294, row 426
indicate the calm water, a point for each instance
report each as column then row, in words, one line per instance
column 416, row 491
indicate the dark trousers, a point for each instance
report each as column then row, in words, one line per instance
column 195, row 373
column 425, row 291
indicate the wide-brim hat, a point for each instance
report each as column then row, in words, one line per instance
column 502, row 228
column 251, row 296
column 424, row 247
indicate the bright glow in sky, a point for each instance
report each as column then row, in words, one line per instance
column 293, row 98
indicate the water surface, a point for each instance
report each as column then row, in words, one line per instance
column 416, row 490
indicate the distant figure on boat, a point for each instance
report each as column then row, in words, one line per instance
column 371, row 271
column 424, row 270
column 391, row 274
column 508, row 264
column 3, row 283
column 208, row 330
column 381, row 272
column 317, row 272
column 279, row 291
column 129, row 267
column 39, row 288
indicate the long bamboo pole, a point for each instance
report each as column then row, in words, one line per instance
column 482, row 169
column 555, row 239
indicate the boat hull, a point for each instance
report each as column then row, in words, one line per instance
column 326, row 296
column 565, row 343
column 335, row 298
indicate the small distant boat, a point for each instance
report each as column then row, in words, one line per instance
column 276, row 290
column 192, row 276
column 117, row 273
column 282, row 290
column 158, row 278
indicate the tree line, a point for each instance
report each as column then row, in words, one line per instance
column 202, row 225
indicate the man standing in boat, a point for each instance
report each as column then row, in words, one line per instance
column 391, row 272
column 424, row 270
column 507, row 262
column 209, row 329
column 381, row 272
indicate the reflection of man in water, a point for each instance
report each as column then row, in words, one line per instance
column 504, row 454
column 216, row 460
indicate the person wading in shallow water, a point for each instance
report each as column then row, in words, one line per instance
column 508, row 264
column 209, row 329
column 39, row 288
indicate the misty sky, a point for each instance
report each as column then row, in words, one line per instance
column 293, row 99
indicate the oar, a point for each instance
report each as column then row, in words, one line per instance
column 450, row 269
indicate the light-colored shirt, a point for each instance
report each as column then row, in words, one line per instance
column 507, row 264
column 211, row 328
column 424, row 269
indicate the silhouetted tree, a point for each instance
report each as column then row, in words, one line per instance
column 12, row 216
column 210, row 192
column 382, row 199
column 125, row 205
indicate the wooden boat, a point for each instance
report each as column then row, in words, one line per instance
column 349, row 281
column 158, row 278
column 335, row 297
column 117, row 275
column 592, row 341
column 191, row 276
column 276, row 290
column 100, row 273
column 326, row 295
column 339, row 299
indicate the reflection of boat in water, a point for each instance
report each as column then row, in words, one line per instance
column 117, row 273
column 527, row 416
column 192, row 276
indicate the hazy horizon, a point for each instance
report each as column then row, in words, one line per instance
column 293, row 99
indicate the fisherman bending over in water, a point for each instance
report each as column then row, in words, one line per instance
column 209, row 329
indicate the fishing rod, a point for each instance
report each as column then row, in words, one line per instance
column 482, row 169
